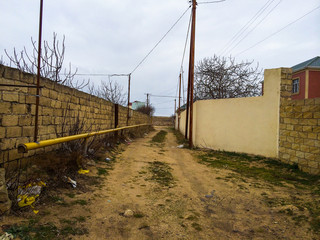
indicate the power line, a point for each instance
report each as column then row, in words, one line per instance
column 186, row 42
column 211, row 2
column 271, row 35
column 160, row 40
column 163, row 96
column 156, row 103
column 246, row 26
column 100, row 74
column 255, row 26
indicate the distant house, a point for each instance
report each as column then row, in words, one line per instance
column 136, row 104
column 306, row 79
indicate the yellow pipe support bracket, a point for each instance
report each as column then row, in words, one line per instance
column 25, row 147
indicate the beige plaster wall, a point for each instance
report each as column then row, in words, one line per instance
column 249, row 125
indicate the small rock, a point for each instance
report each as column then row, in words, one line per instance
column 128, row 213
column 209, row 196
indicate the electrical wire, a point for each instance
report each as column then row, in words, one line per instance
column 255, row 26
column 245, row 27
column 183, row 56
column 211, row 2
column 100, row 74
column 162, row 102
column 281, row 29
column 139, row 64
column 186, row 42
column 163, row 96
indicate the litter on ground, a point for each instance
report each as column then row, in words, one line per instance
column 83, row 171
column 29, row 193
column 72, row 182
column 6, row 236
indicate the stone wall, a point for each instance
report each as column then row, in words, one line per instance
column 299, row 129
column 60, row 109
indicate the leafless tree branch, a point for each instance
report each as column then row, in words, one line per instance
column 52, row 59
column 220, row 77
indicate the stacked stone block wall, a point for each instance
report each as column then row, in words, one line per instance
column 299, row 129
column 60, row 109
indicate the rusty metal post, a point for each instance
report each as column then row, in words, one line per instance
column 38, row 74
column 116, row 118
column 147, row 100
column 191, row 68
column 179, row 102
column 85, row 150
column 187, row 106
column 128, row 114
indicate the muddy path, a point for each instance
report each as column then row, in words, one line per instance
column 159, row 191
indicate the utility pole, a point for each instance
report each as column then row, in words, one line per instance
column 128, row 114
column 191, row 72
column 179, row 102
column 38, row 74
column 175, row 106
column 147, row 100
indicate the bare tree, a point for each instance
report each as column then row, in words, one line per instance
column 149, row 110
column 111, row 91
column 221, row 77
column 52, row 63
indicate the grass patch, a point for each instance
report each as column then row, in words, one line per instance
column 161, row 173
column 80, row 202
column 179, row 136
column 70, row 195
column 257, row 167
column 196, row 226
column 138, row 215
column 159, row 137
column 102, row 171
column 59, row 200
column 276, row 173
column 34, row 230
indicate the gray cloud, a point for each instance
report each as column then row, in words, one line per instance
column 113, row 36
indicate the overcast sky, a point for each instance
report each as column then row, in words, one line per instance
column 112, row 36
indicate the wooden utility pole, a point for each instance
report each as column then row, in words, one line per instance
column 179, row 102
column 147, row 99
column 175, row 107
column 38, row 75
column 191, row 72
column 128, row 114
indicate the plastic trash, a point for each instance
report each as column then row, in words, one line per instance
column 108, row 159
column 83, row 171
column 6, row 236
column 180, row 146
column 29, row 193
column 210, row 195
column 72, row 182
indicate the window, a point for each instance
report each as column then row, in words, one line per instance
column 295, row 85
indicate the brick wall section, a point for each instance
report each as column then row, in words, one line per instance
column 59, row 106
column 299, row 130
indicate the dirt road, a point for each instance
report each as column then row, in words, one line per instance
column 198, row 205
column 158, row 191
